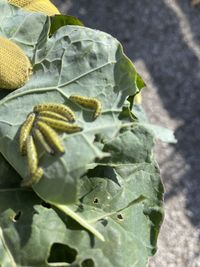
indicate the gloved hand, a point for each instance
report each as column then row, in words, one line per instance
column 44, row 6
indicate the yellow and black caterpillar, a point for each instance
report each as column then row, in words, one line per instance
column 88, row 102
column 40, row 126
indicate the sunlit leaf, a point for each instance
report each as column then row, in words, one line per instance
column 99, row 203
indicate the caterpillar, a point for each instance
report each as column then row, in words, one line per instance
column 52, row 114
column 25, row 131
column 88, row 102
column 61, row 125
column 40, row 137
column 32, row 155
column 35, row 177
column 56, row 108
column 51, row 136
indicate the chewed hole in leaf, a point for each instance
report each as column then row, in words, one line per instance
column 120, row 217
column 104, row 222
column 17, row 216
column 88, row 263
column 97, row 138
column 96, row 200
column 62, row 253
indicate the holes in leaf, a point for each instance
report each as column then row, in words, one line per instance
column 97, row 138
column 120, row 217
column 17, row 216
column 96, row 200
column 88, row 263
column 104, row 222
column 62, row 253
column 46, row 205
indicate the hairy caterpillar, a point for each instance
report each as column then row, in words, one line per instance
column 25, row 131
column 57, row 108
column 61, row 125
column 88, row 102
column 32, row 155
column 35, row 177
column 40, row 137
column 51, row 136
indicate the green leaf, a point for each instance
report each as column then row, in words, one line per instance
column 125, row 197
column 75, row 60
column 140, row 83
column 3, row 93
column 138, row 143
column 161, row 133
column 25, row 227
column 59, row 21
column 6, row 173
column 122, row 200
column 106, row 186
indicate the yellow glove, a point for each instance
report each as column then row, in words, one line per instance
column 44, row 6
column 15, row 67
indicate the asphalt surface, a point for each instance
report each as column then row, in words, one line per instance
column 162, row 37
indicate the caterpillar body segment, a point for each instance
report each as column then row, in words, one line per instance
column 40, row 137
column 35, row 177
column 88, row 102
column 25, row 131
column 57, row 108
column 32, row 156
column 15, row 67
column 51, row 136
column 52, row 114
column 61, row 125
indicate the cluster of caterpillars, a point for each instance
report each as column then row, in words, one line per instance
column 42, row 125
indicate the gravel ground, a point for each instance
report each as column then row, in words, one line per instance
column 162, row 37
